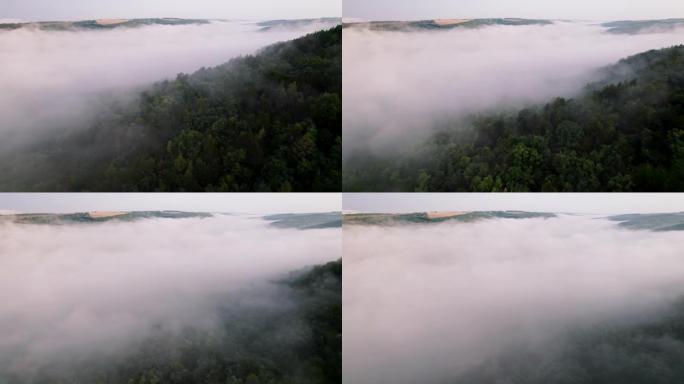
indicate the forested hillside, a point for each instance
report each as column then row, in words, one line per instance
column 267, row 122
column 625, row 133
column 298, row 341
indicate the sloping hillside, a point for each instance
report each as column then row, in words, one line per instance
column 625, row 133
column 267, row 122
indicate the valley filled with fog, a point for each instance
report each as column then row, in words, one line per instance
column 171, row 105
column 398, row 86
column 168, row 296
column 479, row 298
column 54, row 79
column 416, row 95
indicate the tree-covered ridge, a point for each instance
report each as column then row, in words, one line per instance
column 438, row 217
column 100, row 24
column 97, row 217
column 643, row 26
column 288, row 23
column 296, row 341
column 306, row 220
column 442, row 24
column 264, row 122
column 104, row 24
column 661, row 222
column 623, row 134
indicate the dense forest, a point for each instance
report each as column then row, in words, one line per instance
column 624, row 133
column 298, row 341
column 264, row 122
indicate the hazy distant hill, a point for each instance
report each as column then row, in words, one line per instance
column 437, row 217
column 306, row 220
column 301, row 221
column 618, row 27
column 624, row 133
column 274, row 24
column 643, row 26
column 100, row 24
column 656, row 222
column 96, row 217
column 442, row 24
column 660, row 222
column 103, row 24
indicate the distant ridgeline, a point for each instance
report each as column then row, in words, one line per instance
column 441, row 24
column 437, row 217
column 273, row 24
column 268, row 122
column 643, row 26
column 300, row 221
column 624, row 133
column 100, row 24
column 96, row 217
column 660, row 222
column 306, row 220
column 618, row 27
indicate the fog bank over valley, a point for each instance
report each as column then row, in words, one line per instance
column 56, row 79
column 91, row 288
column 404, row 82
column 495, row 296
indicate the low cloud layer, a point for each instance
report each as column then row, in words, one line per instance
column 424, row 303
column 71, row 291
column 399, row 85
column 53, row 79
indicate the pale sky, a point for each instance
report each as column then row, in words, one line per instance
column 37, row 10
column 592, row 203
column 257, row 203
column 533, row 9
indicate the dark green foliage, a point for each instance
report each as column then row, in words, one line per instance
column 623, row 134
column 268, row 122
column 293, row 338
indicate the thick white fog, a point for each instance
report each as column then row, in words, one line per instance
column 399, row 85
column 68, row 291
column 422, row 303
column 52, row 79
